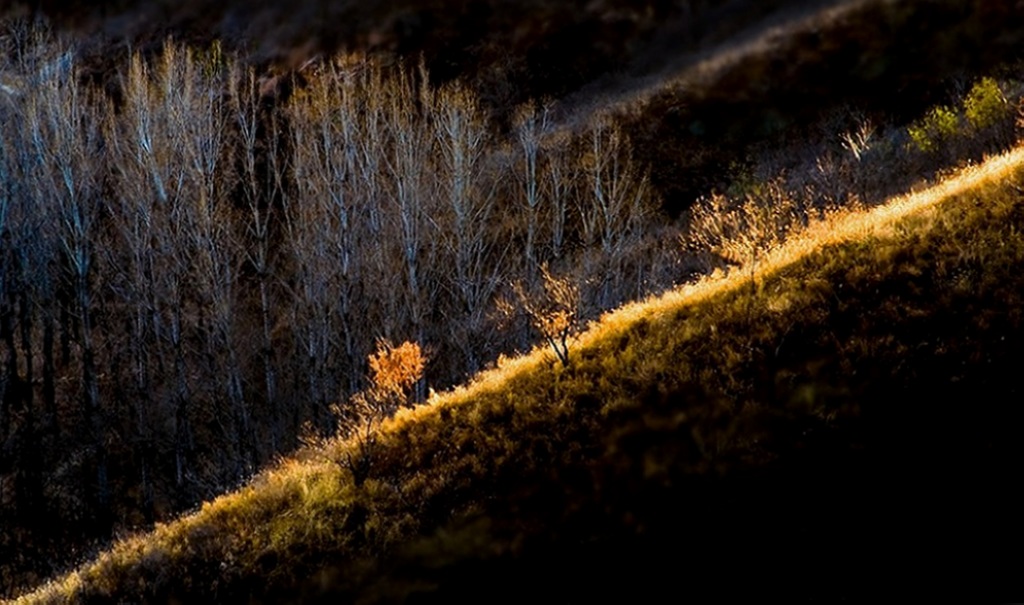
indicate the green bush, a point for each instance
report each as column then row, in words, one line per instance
column 985, row 105
column 937, row 126
column 983, row 108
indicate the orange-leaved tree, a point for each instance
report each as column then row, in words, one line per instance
column 393, row 372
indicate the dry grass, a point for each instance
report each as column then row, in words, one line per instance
column 440, row 460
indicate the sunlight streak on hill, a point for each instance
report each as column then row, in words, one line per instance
column 694, row 74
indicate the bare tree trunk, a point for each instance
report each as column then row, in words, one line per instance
column 10, row 365
column 531, row 123
column 412, row 191
column 25, row 325
column 90, row 385
column 182, row 427
column 261, row 182
column 613, row 212
column 64, row 136
column 473, row 260
column 66, row 329
column 49, row 371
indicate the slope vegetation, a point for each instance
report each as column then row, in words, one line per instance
column 704, row 88
column 841, row 417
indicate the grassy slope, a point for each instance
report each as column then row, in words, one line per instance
column 848, row 417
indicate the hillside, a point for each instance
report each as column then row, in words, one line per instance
column 838, row 420
column 218, row 219
column 702, row 86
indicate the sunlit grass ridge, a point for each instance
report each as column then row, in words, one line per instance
column 531, row 416
column 840, row 227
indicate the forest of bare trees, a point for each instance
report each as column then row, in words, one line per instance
column 192, row 270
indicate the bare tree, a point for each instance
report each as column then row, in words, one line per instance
column 412, row 194
column 8, row 192
column 153, row 218
column 261, row 184
column 145, row 185
column 213, row 241
column 65, row 138
column 560, row 173
column 553, row 310
column 181, row 247
column 531, row 123
column 322, row 235
column 613, row 209
column 474, row 260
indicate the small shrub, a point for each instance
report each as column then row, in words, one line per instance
column 985, row 106
column 860, row 140
column 983, row 110
column 393, row 372
column 937, row 126
column 741, row 231
column 553, row 311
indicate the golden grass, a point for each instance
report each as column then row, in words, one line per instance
column 837, row 228
column 437, row 450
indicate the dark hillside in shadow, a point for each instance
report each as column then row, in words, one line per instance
column 704, row 86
